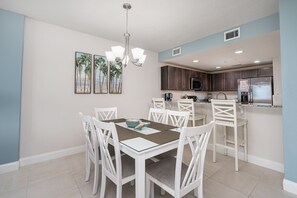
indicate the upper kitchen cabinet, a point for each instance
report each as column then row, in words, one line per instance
column 265, row 72
column 251, row 73
column 206, row 82
column 186, row 79
column 231, row 80
column 171, row 78
column 175, row 78
column 218, row 82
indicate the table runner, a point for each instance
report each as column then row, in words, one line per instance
column 165, row 136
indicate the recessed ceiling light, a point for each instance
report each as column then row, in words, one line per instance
column 218, row 67
column 257, row 61
column 195, row 61
column 238, row 52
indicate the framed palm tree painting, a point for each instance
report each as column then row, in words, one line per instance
column 100, row 70
column 115, row 78
column 83, row 73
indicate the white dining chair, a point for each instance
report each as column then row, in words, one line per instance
column 188, row 105
column 225, row 114
column 108, row 113
column 120, row 170
column 91, row 149
column 158, row 103
column 157, row 115
column 175, row 177
column 177, row 118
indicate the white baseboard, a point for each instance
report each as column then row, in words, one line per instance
column 290, row 186
column 9, row 167
column 253, row 159
column 51, row 155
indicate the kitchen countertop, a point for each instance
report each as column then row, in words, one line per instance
column 258, row 105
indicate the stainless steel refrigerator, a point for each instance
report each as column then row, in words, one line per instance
column 255, row 90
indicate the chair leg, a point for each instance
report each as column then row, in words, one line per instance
column 163, row 192
column 148, row 185
column 236, row 148
column 194, row 124
column 119, row 191
column 214, row 144
column 88, row 167
column 152, row 189
column 245, row 142
column 96, row 178
column 103, row 186
column 225, row 140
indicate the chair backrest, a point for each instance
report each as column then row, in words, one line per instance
column 187, row 105
column 91, row 140
column 177, row 118
column 106, row 113
column 224, row 112
column 107, row 134
column 158, row 103
column 198, row 138
column 157, row 115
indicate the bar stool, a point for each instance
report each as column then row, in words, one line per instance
column 158, row 103
column 224, row 114
column 188, row 105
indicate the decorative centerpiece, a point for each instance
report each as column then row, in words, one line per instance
column 132, row 123
column 136, row 124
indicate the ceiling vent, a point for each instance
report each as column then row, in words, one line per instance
column 176, row 51
column 232, row 34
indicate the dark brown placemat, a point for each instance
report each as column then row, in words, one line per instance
column 162, row 137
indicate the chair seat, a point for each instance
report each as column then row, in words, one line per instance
column 198, row 117
column 164, row 171
column 168, row 154
column 128, row 166
column 240, row 122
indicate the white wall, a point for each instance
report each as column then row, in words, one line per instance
column 49, row 117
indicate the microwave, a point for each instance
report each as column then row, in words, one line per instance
column 196, row 84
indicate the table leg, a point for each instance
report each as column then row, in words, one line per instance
column 140, row 177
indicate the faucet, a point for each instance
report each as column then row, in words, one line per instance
column 220, row 94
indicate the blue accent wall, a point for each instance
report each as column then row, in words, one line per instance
column 248, row 30
column 11, row 57
column 288, row 38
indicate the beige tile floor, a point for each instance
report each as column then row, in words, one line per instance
column 64, row 178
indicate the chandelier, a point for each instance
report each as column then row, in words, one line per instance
column 118, row 54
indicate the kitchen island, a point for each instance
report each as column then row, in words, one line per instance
column 265, row 132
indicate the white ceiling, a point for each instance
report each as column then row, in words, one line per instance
column 154, row 24
column 263, row 48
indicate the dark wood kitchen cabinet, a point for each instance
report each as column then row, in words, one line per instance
column 218, row 82
column 251, row 73
column 265, row 72
column 231, row 80
column 175, row 78
column 171, row 78
column 206, row 79
column 186, row 79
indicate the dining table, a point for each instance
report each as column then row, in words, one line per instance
column 150, row 141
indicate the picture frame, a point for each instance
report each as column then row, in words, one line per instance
column 100, row 71
column 83, row 73
column 115, row 78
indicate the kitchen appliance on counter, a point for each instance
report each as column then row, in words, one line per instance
column 168, row 96
column 255, row 90
column 193, row 97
